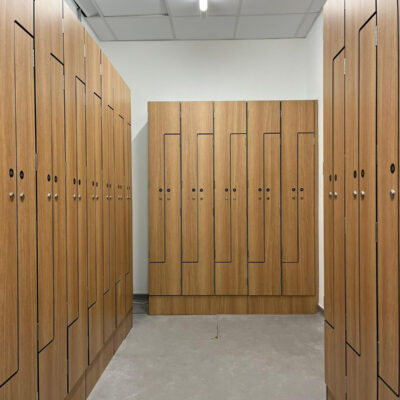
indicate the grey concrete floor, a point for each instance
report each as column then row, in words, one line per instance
column 226, row 357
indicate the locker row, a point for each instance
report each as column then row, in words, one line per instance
column 232, row 199
column 361, row 184
column 66, row 208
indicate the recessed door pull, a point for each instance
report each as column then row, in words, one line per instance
column 392, row 193
column 355, row 194
column 362, row 194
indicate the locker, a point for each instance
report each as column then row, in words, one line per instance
column 388, row 203
column 362, row 365
column 165, row 278
column 164, row 119
column 298, row 198
column 52, row 298
column 231, row 277
column 230, row 118
column 18, row 337
column 264, row 198
column 198, row 277
column 93, row 63
column 334, row 219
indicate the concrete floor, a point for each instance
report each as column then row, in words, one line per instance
column 229, row 357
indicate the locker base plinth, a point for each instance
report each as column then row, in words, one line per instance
column 210, row 305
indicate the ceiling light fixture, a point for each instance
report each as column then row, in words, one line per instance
column 203, row 4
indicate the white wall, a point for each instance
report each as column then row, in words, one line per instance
column 208, row 70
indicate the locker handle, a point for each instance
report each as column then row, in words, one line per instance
column 355, row 194
column 12, row 196
column 56, row 196
column 330, row 194
column 49, row 196
column 79, row 197
column 362, row 194
column 74, row 196
column 392, row 193
column 93, row 196
column 336, row 195
column 97, row 197
column 22, row 196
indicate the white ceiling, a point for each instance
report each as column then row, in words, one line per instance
column 182, row 19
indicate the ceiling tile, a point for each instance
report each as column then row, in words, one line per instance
column 111, row 8
column 141, row 28
column 187, row 28
column 306, row 25
column 257, row 7
column 268, row 26
column 317, row 5
column 190, row 8
column 100, row 28
column 87, row 7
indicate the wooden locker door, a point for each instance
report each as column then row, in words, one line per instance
column 231, row 277
column 264, row 125
column 18, row 337
column 96, row 309
column 78, row 329
column 198, row 278
column 298, row 197
column 164, row 174
column 197, row 182
column 165, row 278
column 362, row 366
column 388, row 201
column 335, row 302
column 52, row 296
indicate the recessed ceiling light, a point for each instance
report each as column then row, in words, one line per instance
column 203, row 4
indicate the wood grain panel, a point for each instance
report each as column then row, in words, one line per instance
column 265, row 276
column 107, row 81
column 93, row 64
column 357, row 14
column 388, row 207
column 164, row 118
column 78, row 330
column 231, row 277
column 19, row 371
column 230, row 118
column 165, row 278
column 299, row 278
column 384, row 393
column 197, row 118
column 198, row 278
column 263, row 117
column 282, row 305
column 52, row 358
column 297, row 117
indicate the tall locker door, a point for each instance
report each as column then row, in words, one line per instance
column 230, row 198
column 298, row 197
column 120, row 219
column 197, row 198
column 362, row 365
column 164, row 199
column 51, row 199
column 74, row 39
column 388, row 201
column 358, row 12
column 264, row 193
column 335, row 364
column 109, row 224
column 18, row 330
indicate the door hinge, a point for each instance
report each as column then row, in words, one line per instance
column 376, row 232
column 214, row 114
column 62, row 25
column 36, row 162
column 344, row 66
column 376, row 35
column 33, row 58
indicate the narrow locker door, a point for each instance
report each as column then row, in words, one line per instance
column 197, row 118
column 165, row 278
column 263, row 117
column 362, row 366
column 265, row 276
column 198, row 278
column 230, row 118
column 78, row 330
column 164, row 118
column 18, row 337
column 388, row 191
column 53, row 352
column 231, row 277
column 96, row 309
column 335, row 358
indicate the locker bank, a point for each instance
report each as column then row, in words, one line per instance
column 200, row 200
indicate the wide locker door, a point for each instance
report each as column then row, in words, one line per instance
column 18, row 338
column 388, row 200
column 230, row 198
column 52, row 297
column 335, row 360
column 362, row 366
column 164, row 199
column 298, row 197
column 264, row 176
column 197, row 198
